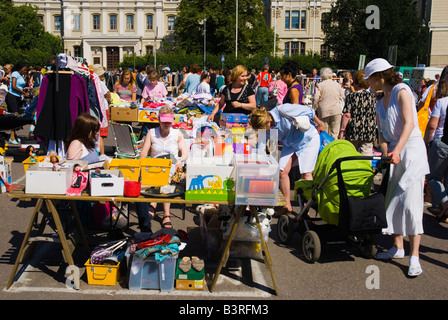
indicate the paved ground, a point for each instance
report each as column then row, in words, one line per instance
column 340, row 273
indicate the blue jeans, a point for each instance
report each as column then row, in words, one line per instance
column 262, row 95
column 144, row 218
column 438, row 171
column 31, row 108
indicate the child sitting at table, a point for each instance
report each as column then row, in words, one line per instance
column 154, row 89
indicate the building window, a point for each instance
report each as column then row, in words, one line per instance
column 57, row 23
column 40, row 18
column 96, row 22
column 129, row 22
column 294, row 48
column 77, row 51
column 303, row 20
column 286, row 49
column 171, row 23
column 113, row 22
column 302, row 48
column 287, row 18
column 149, row 49
column 149, row 22
column 76, row 22
column 295, row 19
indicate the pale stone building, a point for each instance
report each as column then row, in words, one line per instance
column 105, row 31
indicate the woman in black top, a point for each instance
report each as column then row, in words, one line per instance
column 238, row 96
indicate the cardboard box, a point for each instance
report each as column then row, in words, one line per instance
column 123, row 114
column 191, row 280
column 210, row 179
column 148, row 115
column 107, row 186
column 43, row 180
column 234, row 117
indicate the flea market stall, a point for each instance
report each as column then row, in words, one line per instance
column 229, row 181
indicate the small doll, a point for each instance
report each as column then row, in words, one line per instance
column 77, row 176
column 30, row 151
column 55, row 161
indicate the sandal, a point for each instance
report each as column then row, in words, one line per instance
column 167, row 224
column 185, row 264
column 198, row 264
column 152, row 212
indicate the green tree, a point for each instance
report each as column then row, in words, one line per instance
column 348, row 36
column 254, row 36
column 23, row 37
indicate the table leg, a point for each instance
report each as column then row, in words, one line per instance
column 63, row 239
column 24, row 243
column 225, row 254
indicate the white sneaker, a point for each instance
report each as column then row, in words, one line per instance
column 414, row 270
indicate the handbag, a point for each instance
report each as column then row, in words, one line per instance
column 423, row 113
column 367, row 214
column 301, row 123
column 325, row 139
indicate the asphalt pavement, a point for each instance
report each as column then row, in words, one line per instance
column 340, row 273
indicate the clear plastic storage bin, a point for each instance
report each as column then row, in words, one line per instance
column 257, row 179
column 152, row 274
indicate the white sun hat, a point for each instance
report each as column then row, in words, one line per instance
column 376, row 65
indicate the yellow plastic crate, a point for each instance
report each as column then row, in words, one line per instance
column 28, row 163
column 155, row 172
column 106, row 275
column 130, row 168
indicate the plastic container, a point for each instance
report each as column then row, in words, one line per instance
column 152, row 274
column 155, row 172
column 129, row 167
column 257, row 180
column 132, row 188
column 106, row 275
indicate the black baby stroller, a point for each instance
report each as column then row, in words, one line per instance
column 340, row 193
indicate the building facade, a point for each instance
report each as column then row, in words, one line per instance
column 105, row 31
column 298, row 25
column 438, row 32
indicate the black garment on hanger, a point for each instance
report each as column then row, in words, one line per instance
column 54, row 121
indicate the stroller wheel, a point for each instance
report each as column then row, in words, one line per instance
column 311, row 246
column 285, row 229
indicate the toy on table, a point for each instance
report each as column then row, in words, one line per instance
column 55, row 161
column 31, row 152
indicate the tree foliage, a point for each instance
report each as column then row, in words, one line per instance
column 23, row 37
column 254, row 36
column 347, row 35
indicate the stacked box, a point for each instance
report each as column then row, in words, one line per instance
column 210, row 179
column 107, row 186
column 191, row 280
column 130, row 168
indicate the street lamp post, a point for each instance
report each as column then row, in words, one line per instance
column 205, row 42
column 236, row 31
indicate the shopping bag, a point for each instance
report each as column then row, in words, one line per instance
column 423, row 113
column 325, row 139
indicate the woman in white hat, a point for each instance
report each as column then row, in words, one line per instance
column 401, row 139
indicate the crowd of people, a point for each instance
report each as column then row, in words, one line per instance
column 372, row 108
